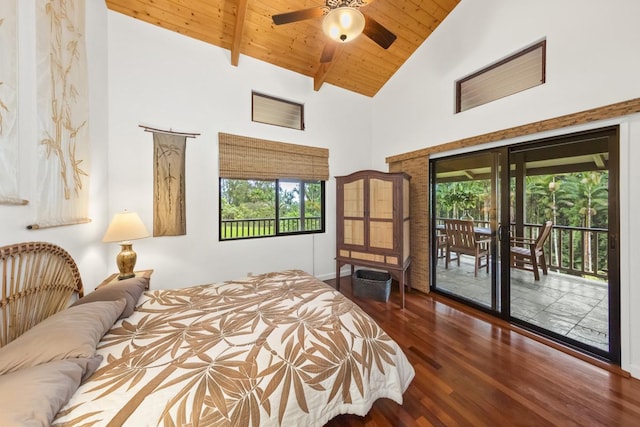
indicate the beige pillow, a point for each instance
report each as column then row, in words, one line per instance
column 33, row 396
column 74, row 332
column 130, row 289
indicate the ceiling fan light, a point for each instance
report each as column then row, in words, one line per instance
column 343, row 24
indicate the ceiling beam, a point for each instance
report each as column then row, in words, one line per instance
column 324, row 69
column 241, row 11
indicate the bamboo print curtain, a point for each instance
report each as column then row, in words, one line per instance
column 62, row 109
column 168, row 184
column 8, row 104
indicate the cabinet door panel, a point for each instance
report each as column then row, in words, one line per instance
column 380, row 199
column 354, row 198
column 381, row 234
column 353, row 232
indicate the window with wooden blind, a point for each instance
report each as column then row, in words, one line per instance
column 522, row 70
column 270, row 188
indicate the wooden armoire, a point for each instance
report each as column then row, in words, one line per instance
column 373, row 223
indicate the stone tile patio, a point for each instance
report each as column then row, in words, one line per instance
column 568, row 305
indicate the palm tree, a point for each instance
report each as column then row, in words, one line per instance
column 591, row 193
column 537, row 199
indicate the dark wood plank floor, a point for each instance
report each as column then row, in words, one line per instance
column 475, row 371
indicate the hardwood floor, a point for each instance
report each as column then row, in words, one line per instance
column 473, row 370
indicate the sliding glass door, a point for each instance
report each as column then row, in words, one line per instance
column 465, row 216
column 530, row 233
column 570, row 182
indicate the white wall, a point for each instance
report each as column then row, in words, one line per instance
column 592, row 61
column 82, row 241
column 165, row 80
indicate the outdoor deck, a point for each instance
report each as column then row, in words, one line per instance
column 562, row 303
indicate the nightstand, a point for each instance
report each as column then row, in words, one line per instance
column 114, row 277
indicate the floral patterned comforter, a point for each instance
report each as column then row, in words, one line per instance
column 279, row 349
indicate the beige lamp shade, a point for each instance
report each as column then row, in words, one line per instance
column 343, row 24
column 124, row 227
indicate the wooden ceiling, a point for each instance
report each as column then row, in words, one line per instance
column 245, row 27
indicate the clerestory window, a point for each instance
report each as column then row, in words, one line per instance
column 522, row 70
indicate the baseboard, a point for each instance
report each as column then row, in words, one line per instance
column 634, row 371
column 344, row 272
column 328, row 276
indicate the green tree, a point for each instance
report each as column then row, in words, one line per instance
column 313, row 199
column 537, row 200
column 247, row 199
column 289, row 201
column 589, row 206
column 458, row 197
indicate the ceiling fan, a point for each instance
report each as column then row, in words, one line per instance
column 343, row 21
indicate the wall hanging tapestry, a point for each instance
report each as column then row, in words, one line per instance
column 62, row 178
column 9, row 148
column 169, row 205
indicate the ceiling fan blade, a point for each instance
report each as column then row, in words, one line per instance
column 298, row 15
column 328, row 52
column 378, row 33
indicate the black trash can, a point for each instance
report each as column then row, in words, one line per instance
column 371, row 284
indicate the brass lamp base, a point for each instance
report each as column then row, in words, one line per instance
column 126, row 260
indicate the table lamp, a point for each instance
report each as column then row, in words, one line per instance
column 124, row 227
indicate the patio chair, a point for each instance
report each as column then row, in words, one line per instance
column 528, row 254
column 461, row 239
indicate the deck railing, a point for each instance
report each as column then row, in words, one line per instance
column 577, row 251
column 257, row 227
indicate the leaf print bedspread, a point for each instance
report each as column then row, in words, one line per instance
column 278, row 349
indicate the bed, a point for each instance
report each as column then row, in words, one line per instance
column 277, row 349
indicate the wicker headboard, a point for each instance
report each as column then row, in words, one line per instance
column 38, row 280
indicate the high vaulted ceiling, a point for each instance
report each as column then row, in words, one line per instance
column 245, row 27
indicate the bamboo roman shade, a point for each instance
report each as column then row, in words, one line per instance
column 242, row 157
